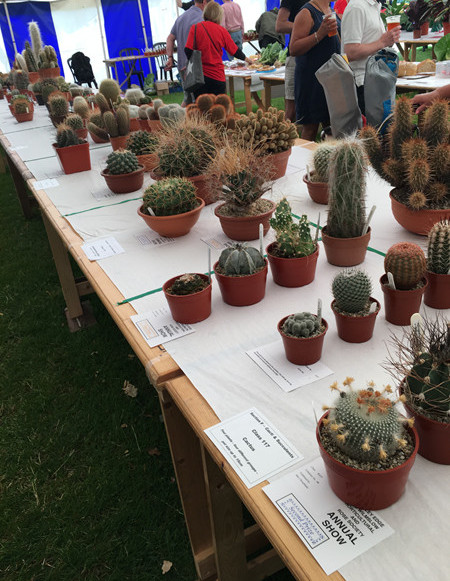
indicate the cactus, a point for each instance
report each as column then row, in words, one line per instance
column 171, row 114
column 36, row 39
column 123, row 120
column 74, row 121
column 188, row 284
column 406, row 261
column 142, row 113
column 302, row 325
column 170, row 196
column 81, row 107
column 364, row 424
column 48, row 86
column 111, row 124
column 321, row 161
column 346, row 206
column 110, row 89
column 435, row 128
column 142, row 142
column 134, row 95
column 76, row 90
column 98, row 131
column 293, row 240
column 63, row 85
column 65, row 136
column 97, row 119
column 438, row 255
column 21, row 62
column 121, row 161
column 59, row 107
column 102, row 103
column 226, row 103
column 47, row 58
column 157, row 103
column 240, row 260
column 21, row 80
column 21, row 107
column 351, row 290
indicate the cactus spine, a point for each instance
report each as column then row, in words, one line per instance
column 170, row 196
column 74, row 121
column 142, row 142
column 121, row 161
column 406, row 261
column 59, row 107
column 351, row 289
column 438, row 260
column 240, row 260
column 293, row 240
column 302, row 325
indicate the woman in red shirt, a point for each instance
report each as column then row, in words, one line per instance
column 211, row 39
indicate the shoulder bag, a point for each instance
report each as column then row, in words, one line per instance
column 194, row 71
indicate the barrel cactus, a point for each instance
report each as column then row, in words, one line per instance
column 438, row 259
column 74, row 121
column 121, row 161
column 142, row 142
column 321, row 162
column 65, row 136
column 21, row 80
column 188, row 284
column 21, row 106
column 302, row 325
column 240, row 260
column 59, row 107
column 406, row 261
column 293, row 239
column 351, row 290
column 170, row 196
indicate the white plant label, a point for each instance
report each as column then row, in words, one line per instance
column 46, row 184
column 153, row 239
column 102, row 248
column 158, row 327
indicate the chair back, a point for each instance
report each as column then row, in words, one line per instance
column 161, row 60
column 131, row 66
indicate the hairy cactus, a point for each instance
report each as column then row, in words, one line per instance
column 102, row 103
column 21, row 63
column 435, row 128
column 121, row 161
column 110, row 89
column 171, row 114
column 438, row 259
column 170, row 196
column 134, row 95
column 47, row 58
column 142, row 142
column 364, row 424
column 240, row 260
column 321, row 161
column 293, row 240
column 59, row 107
column 346, row 209
column 188, row 284
column 351, row 290
column 65, row 136
column 97, row 131
column 406, row 261
column 36, row 39
column 74, row 121
column 302, row 325
column 81, row 107
column 21, row 80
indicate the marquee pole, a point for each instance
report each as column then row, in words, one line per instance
column 10, row 27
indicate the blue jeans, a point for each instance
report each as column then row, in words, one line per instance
column 237, row 39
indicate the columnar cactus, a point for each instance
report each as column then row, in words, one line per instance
column 74, row 121
column 351, row 290
column 438, row 259
column 293, row 239
column 240, row 260
column 188, row 284
column 21, row 80
column 110, row 89
column 36, row 39
column 142, row 142
column 302, row 325
column 406, row 261
column 65, row 136
column 59, row 107
column 47, row 58
column 121, row 161
column 111, row 124
column 170, row 196
column 321, row 162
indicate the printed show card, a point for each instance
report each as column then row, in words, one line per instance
column 272, row 360
column 253, row 446
column 158, row 327
column 153, row 239
column 102, row 248
column 46, row 184
column 334, row 532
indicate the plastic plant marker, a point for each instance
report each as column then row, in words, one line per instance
column 373, row 308
column 209, row 265
column 261, row 234
column 391, row 282
column 319, row 310
column 369, row 218
column 316, row 238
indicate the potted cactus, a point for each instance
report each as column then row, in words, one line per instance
column 150, row 117
column 293, row 257
column 59, row 108
column 367, row 446
column 347, row 233
column 48, row 63
column 303, row 335
column 123, row 174
column 75, row 122
column 23, row 110
column 416, row 166
column 144, row 146
column 96, row 128
column 189, row 297
column 31, row 62
column 170, row 207
column 420, row 362
column 353, row 307
column 72, row 152
column 241, row 273
column 437, row 293
column 117, row 125
column 317, row 180
column 404, row 282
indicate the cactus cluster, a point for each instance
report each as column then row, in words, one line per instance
column 321, row 162
column 406, row 261
column 117, row 123
column 134, row 96
column 66, row 136
column 170, row 196
column 240, row 260
column 351, row 290
column 121, row 162
column 188, row 284
column 81, row 107
column 416, row 161
column 48, row 86
column 171, row 114
column 110, row 90
column 59, row 107
column 293, row 239
column 364, row 424
column 47, row 58
column 302, row 325
column 142, row 142
column 215, row 108
column 74, row 121
column 438, row 255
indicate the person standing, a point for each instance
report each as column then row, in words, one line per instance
column 285, row 22
column 233, row 22
column 265, row 27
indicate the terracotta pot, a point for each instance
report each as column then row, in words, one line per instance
column 21, row 117
column 149, row 161
column 242, row 291
column 189, row 309
column 134, row 124
column 8, row 97
column 345, row 251
column 355, row 329
column 173, row 226
column 82, row 133
column 124, row 183
column 292, row 272
column 245, row 227
column 155, row 125
column 425, row 28
column 74, row 158
column 97, row 139
column 33, row 77
column 118, row 142
column 2, row 94
column 417, row 221
column 143, row 125
column 51, row 73
column 417, row 33
column 203, row 190
column 303, row 351
column 279, row 163
column 318, row 191
column 367, row 489
column 446, row 27
column 399, row 305
column 437, row 292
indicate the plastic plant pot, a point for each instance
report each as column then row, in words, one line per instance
column 74, row 158
column 303, row 350
column 292, row 272
column 355, row 329
column 126, row 182
column 189, row 309
column 318, row 191
column 173, row 226
column 399, row 305
column 245, row 227
column 345, row 251
column 242, row 291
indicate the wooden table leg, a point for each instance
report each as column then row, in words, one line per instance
column 413, row 53
column 25, row 199
column 248, row 94
column 231, row 88
column 267, row 94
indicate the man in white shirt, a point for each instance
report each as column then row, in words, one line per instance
column 363, row 34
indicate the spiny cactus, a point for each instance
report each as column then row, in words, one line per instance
column 293, row 239
column 240, row 260
column 435, row 128
column 123, row 120
column 142, row 142
column 321, row 161
column 406, row 261
column 21, row 80
column 47, row 58
column 170, row 196
column 121, row 161
column 111, row 124
column 59, row 107
column 21, row 107
column 48, row 86
column 110, row 89
column 438, row 259
column 188, row 284
column 364, row 424
column 134, row 95
column 74, row 121
column 171, row 114
column 81, row 107
column 302, row 325
column 346, row 206
column 36, row 39
column 97, row 131
column 351, row 290
column 142, row 113
column 102, row 103
column 21, row 63
column 65, row 136
column 63, row 85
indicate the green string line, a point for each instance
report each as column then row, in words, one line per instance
column 104, row 206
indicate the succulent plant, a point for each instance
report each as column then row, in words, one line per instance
column 48, row 86
column 21, row 80
column 36, row 39
column 21, row 107
column 47, row 58
column 293, row 239
column 121, row 161
column 302, row 325
column 59, row 107
column 97, row 131
column 351, row 290
column 110, row 89
column 142, row 142
column 102, row 103
column 170, row 196
column 74, row 121
column 240, row 260
column 321, row 162
column 63, row 85
column 406, row 261
column 188, row 284
column 81, row 107
column 365, row 424
column 134, row 95
column 171, row 114
column 438, row 259
column 66, row 136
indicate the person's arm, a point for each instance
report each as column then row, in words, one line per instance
column 302, row 41
column 424, row 100
column 283, row 24
column 170, row 45
column 356, row 52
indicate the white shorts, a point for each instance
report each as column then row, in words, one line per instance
column 289, row 79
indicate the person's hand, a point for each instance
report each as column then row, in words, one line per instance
column 424, row 100
column 179, row 3
column 390, row 36
column 169, row 64
column 328, row 27
column 248, row 60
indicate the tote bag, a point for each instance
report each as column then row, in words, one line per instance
column 194, row 70
column 380, row 85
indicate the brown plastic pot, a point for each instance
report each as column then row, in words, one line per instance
column 50, row 73
column 245, row 227
column 155, row 125
column 300, row 350
column 203, row 190
column 134, row 124
column 355, row 329
column 437, row 292
column 82, row 133
column 189, row 309
column 22, row 117
column 74, row 158
column 399, row 305
column 242, row 291
column 417, row 221
column 149, row 161
column 366, row 489
column 279, row 162
column 33, row 77
column 318, row 191
column 345, row 251
column 292, row 272
column 425, row 28
column 173, row 226
column 118, row 142
column 417, row 33
column 124, row 183
column 143, row 125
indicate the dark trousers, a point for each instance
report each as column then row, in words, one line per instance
column 361, row 102
column 212, row 86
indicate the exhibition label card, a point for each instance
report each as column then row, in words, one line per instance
column 334, row 532
column 253, row 446
column 102, row 248
column 153, row 239
column 158, row 327
column 272, row 360
column 46, row 184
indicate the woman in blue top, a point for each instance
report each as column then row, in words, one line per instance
column 315, row 37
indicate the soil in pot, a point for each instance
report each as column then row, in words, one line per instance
column 292, row 272
column 318, row 191
column 244, row 228
column 416, row 221
column 124, row 183
column 345, row 251
column 300, row 350
column 437, row 292
column 399, row 305
column 242, row 291
column 74, row 158
column 173, row 226
column 191, row 308
column 355, row 328
column 279, row 162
